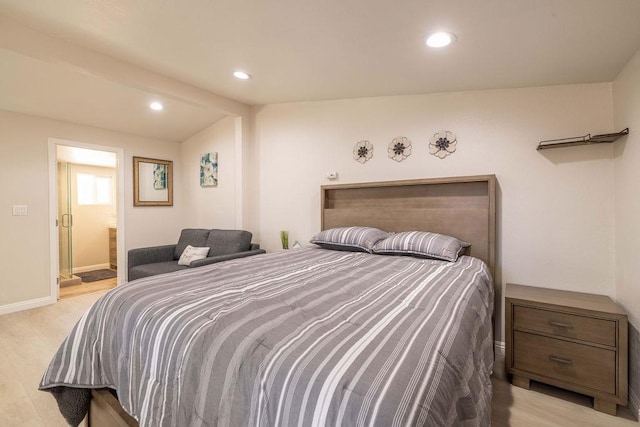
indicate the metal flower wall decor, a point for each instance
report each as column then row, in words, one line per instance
column 442, row 144
column 399, row 148
column 363, row 151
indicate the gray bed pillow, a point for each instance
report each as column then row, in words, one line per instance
column 358, row 239
column 226, row 242
column 196, row 237
column 422, row 244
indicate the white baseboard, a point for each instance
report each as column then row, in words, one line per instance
column 90, row 268
column 634, row 404
column 26, row 305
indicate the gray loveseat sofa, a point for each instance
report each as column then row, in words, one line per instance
column 223, row 245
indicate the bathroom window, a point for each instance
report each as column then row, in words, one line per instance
column 94, row 190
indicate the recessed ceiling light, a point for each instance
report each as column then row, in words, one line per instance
column 241, row 75
column 440, row 39
column 156, row 106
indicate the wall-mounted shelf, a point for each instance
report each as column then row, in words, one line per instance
column 582, row 140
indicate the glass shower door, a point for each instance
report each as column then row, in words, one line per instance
column 65, row 222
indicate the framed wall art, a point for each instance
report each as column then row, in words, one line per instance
column 209, row 170
column 152, row 182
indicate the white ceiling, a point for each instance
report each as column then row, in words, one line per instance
column 57, row 91
column 303, row 51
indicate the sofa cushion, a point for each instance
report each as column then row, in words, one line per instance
column 196, row 237
column 225, row 242
column 145, row 270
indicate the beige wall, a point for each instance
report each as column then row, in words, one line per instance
column 211, row 207
column 626, row 94
column 555, row 206
column 24, row 253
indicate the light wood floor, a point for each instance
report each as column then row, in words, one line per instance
column 28, row 340
column 88, row 288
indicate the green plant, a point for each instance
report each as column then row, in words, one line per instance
column 284, row 238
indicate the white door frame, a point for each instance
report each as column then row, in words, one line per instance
column 53, row 208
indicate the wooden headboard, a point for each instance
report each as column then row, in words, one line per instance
column 463, row 207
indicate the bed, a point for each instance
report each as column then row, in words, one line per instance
column 303, row 337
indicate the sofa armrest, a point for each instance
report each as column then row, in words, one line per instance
column 150, row 255
column 254, row 246
column 220, row 258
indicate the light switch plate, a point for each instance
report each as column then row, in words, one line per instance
column 20, row 210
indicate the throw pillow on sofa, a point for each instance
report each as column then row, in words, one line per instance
column 191, row 253
column 196, row 237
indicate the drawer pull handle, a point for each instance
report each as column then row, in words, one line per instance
column 560, row 324
column 561, row 360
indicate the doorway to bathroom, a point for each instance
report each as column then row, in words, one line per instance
column 88, row 213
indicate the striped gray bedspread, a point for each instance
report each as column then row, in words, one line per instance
column 307, row 337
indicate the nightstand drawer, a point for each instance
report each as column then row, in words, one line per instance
column 566, row 361
column 582, row 328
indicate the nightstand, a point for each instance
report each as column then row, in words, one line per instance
column 571, row 340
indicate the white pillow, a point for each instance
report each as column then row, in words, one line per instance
column 191, row 253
